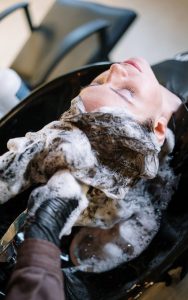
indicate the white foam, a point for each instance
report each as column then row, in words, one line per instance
column 112, row 250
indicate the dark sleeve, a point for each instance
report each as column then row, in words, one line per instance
column 37, row 274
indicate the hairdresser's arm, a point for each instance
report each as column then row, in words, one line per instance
column 37, row 274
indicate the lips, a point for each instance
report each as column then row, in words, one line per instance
column 134, row 64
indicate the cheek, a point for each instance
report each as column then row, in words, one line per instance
column 156, row 99
column 149, row 107
column 151, row 93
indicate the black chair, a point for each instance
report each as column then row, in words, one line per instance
column 72, row 34
column 169, row 248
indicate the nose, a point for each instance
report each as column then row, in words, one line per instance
column 117, row 73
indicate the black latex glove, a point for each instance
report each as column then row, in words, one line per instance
column 49, row 219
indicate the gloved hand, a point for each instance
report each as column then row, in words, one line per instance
column 50, row 208
column 49, row 219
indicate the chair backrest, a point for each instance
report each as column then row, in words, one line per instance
column 72, row 34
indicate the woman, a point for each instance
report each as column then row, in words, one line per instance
column 132, row 87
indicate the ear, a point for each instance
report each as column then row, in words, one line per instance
column 160, row 129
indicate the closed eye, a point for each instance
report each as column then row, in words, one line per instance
column 125, row 94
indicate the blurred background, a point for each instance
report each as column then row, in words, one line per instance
column 158, row 33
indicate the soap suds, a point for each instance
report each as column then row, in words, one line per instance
column 103, row 160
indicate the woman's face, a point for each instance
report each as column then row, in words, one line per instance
column 131, row 85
